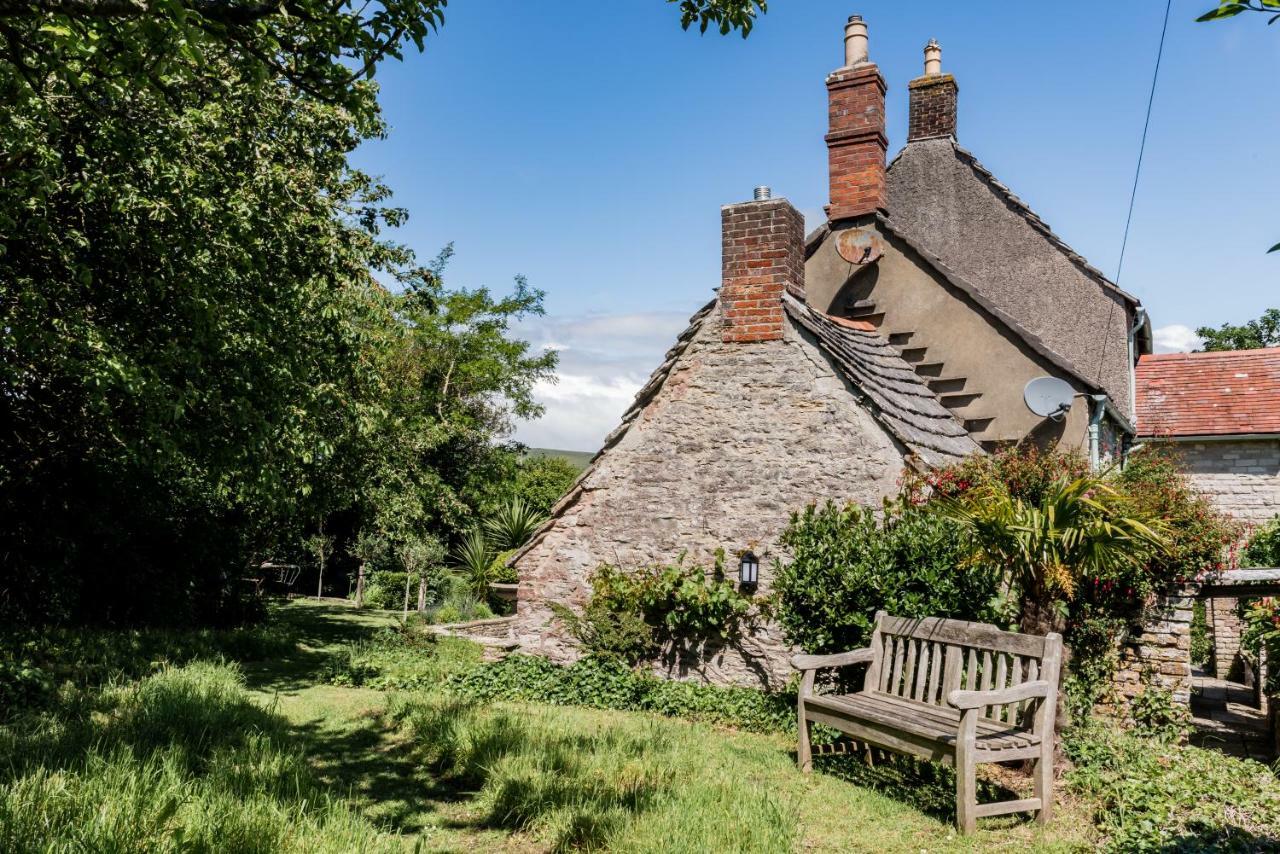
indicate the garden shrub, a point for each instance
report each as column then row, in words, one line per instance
column 1201, row 639
column 1263, row 547
column 847, row 564
column 1262, row 627
column 608, row 684
column 632, row 614
column 1157, row 716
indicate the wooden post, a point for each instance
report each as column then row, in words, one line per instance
column 422, row 593
column 360, row 586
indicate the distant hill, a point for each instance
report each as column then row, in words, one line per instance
column 577, row 459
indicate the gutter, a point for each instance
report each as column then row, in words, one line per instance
column 1217, row 437
column 1140, row 320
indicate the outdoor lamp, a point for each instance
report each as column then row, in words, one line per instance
column 748, row 569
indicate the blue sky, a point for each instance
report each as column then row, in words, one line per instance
column 589, row 145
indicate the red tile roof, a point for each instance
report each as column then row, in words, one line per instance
column 1209, row 394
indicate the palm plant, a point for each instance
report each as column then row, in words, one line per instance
column 512, row 524
column 1079, row 528
column 473, row 562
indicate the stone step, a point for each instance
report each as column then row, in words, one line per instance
column 897, row 339
column 860, row 308
column 978, row 423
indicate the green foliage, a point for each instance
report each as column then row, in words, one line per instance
column 632, row 614
column 1152, row 796
column 1263, row 547
column 473, row 562
column 1252, row 335
column 183, row 759
column 847, row 564
column 1231, row 8
column 401, row 658
column 1201, row 638
column 1197, row 536
column 1262, row 628
column 603, row 683
column 510, row 525
column 1080, row 529
column 541, row 480
column 724, row 15
column 1157, row 716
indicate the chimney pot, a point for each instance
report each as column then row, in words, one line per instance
column 932, row 58
column 762, row 193
column 855, row 41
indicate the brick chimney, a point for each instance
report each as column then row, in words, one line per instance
column 855, row 140
column 762, row 255
column 933, row 99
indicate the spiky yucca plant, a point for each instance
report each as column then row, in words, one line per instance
column 473, row 562
column 512, row 524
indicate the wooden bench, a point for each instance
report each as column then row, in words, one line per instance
column 948, row 691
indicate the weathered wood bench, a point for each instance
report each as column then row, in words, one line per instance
column 947, row 691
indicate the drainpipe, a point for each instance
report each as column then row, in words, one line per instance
column 1095, row 428
column 1140, row 320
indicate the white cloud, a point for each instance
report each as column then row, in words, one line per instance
column 604, row 360
column 1176, row 338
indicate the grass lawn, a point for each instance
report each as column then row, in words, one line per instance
column 287, row 750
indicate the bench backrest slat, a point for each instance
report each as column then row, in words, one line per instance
column 926, row 659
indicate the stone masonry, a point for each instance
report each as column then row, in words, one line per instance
column 1241, row 477
column 1225, row 626
column 1160, row 655
column 738, row 437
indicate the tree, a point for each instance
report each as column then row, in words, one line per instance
column 1231, row 8
column 1080, row 528
column 1253, row 335
column 320, row 545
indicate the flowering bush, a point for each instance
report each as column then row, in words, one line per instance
column 1262, row 627
column 1263, row 548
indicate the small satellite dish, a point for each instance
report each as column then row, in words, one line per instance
column 1049, row 397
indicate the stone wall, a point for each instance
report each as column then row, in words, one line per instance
column 1161, row 654
column 738, row 436
column 1224, row 625
column 1240, row 477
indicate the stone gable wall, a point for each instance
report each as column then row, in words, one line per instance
column 738, row 437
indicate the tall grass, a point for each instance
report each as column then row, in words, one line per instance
column 636, row 785
column 182, row 760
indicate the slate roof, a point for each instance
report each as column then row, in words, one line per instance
column 897, row 397
column 1209, row 394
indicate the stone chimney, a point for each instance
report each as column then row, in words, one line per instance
column 855, row 140
column 762, row 255
column 933, row 99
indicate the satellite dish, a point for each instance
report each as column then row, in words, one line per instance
column 1049, row 397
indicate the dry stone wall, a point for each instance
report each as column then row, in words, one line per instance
column 739, row 436
column 1160, row 655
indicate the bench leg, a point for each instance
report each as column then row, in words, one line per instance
column 966, row 774
column 1044, row 787
column 804, row 754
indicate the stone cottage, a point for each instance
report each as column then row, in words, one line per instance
column 1221, row 413
column 899, row 333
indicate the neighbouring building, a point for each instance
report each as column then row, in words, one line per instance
column 899, row 333
column 1221, row 413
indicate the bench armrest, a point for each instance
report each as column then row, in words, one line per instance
column 1004, row 696
column 839, row 659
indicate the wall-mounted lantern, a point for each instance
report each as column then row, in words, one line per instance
column 748, row 569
